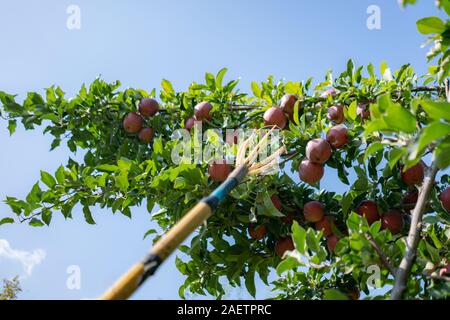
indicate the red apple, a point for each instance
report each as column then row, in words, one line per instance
column 414, row 175
column 202, row 111
column 133, row 122
column 287, row 104
column 148, row 107
column 288, row 219
column 444, row 271
column 336, row 114
column 332, row 242
column 189, row 124
column 329, row 92
column 363, row 111
column 393, row 221
column 313, row 211
column 326, row 225
column 310, row 172
column 232, row 137
column 445, row 198
column 257, row 232
column 219, row 170
column 146, row 135
column 276, row 202
column 283, row 245
column 275, row 117
column 368, row 209
column 337, row 136
column 410, row 199
column 318, row 151
column 353, row 293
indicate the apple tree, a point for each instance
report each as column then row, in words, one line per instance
column 383, row 134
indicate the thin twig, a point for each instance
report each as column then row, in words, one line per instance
column 447, row 90
column 437, row 277
column 244, row 107
column 383, row 257
column 403, row 271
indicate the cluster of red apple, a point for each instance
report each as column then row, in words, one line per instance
column 318, row 151
column 314, row 212
column 218, row 170
column 445, row 200
column 202, row 111
column 134, row 122
column 311, row 170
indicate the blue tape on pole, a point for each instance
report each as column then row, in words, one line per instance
column 220, row 193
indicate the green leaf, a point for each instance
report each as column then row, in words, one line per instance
column 48, row 179
column 442, row 153
column 35, row 194
column 313, row 239
column 167, row 86
column 436, row 110
column 88, row 215
column 446, row 5
column 265, row 206
column 210, row 81
column 299, row 237
column 107, row 168
column 350, row 67
column 383, row 67
column 375, row 228
column 60, row 175
column 250, row 283
column 287, row 264
column 334, row 294
column 430, row 25
column 46, row 216
column 150, row 204
column 351, row 111
column 434, row 131
column 219, row 77
column 36, row 223
column 12, row 124
column 433, row 252
column 395, row 155
column 149, row 232
column 373, row 148
column 256, row 89
column 356, row 243
column 6, row 220
column 437, row 243
column 399, row 118
column 292, row 87
column 296, row 112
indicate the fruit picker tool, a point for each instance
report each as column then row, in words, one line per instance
column 245, row 165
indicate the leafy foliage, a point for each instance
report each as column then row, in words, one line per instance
column 409, row 120
column 119, row 172
column 438, row 32
column 11, row 289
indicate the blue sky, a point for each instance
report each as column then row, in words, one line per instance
column 139, row 43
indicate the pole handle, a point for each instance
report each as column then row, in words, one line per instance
column 126, row 285
column 130, row 281
column 191, row 221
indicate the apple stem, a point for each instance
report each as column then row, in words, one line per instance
column 404, row 269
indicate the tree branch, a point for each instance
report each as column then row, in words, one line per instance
column 403, row 271
column 244, row 107
column 438, row 277
column 381, row 254
column 447, row 89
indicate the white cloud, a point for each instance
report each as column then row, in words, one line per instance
column 28, row 259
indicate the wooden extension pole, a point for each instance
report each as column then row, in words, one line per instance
column 136, row 275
